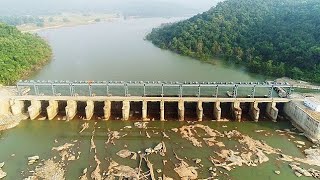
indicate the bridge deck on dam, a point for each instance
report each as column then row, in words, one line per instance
column 155, row 89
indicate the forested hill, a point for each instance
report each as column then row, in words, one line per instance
column 20, row 53
column 272, row 37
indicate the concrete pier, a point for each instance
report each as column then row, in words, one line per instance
column 199, row 111
column 272, row 111
column 236, row 110
column 71, row 109
column 254, row 111
column 217, row 110
column 16, row 107
column 107, row 110
column 52, row 109
column 125, row 110
column 35, row 109
column 4, row 106
column 162, row 111
column 144, row 110
column 181, row 110
column 89, row 109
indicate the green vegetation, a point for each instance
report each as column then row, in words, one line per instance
column 19, row 20
column 273, row 37
column 20, row 53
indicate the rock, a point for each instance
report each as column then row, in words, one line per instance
column 297, row 174
column 300, row 143
column 148, row 151
column 259, row 130
column 277, row 172
column 63, row 147
column 33, row 158
column 134, row 156
column 1, row 164
column 220, row 144
column 197, row 160
column 127, row 127
column 159, row 171
column 2, row 174
column 175, row 129
column 185, row 171
column 124, row 153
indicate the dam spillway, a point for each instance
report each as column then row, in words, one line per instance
column 145, row 100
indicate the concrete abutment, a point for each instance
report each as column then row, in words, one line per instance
column 4, row 106
column 17, row 107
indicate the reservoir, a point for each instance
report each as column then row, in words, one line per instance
column 117, row 51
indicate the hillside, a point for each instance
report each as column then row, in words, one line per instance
column 274, row 37
column 20, row 54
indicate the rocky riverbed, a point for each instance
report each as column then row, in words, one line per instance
column 191, row 150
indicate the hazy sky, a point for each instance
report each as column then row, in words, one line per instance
column 127, row 7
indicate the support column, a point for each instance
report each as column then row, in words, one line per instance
column 272, row 111
column 181, row 110
column 144, row 110
column 199, row 111
column 254, row 111
column 107, row 109
column 89, row 109
column 162, row 110
column 236, row 110
column 71, row 109
column 125, row 110
column 16, row 107
column 35, row 109
column 52, row 109
column 217, row 111
column 4, row 107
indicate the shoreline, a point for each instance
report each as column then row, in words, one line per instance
column 67, row 20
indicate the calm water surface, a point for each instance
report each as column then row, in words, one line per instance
column 117, row 51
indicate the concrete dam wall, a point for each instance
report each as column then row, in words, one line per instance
column 145, row 109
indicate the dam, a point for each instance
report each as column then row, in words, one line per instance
column 147, row 100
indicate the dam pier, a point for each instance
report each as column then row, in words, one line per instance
column 155, row 100
column 162, row 99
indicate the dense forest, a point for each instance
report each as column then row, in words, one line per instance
column 20, row 53
column 273, row 37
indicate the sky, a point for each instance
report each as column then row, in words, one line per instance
column 125, row 7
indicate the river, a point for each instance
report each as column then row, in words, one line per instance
column 117, row 51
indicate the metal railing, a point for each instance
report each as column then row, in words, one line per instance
column 212, row 89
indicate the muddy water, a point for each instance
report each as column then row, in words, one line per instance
column 38, row 137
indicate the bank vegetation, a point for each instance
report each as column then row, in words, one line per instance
column 20, row 54
column 275, row 37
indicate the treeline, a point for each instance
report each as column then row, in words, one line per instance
column 273, row 37
column 19, row 20
column 20, row 54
